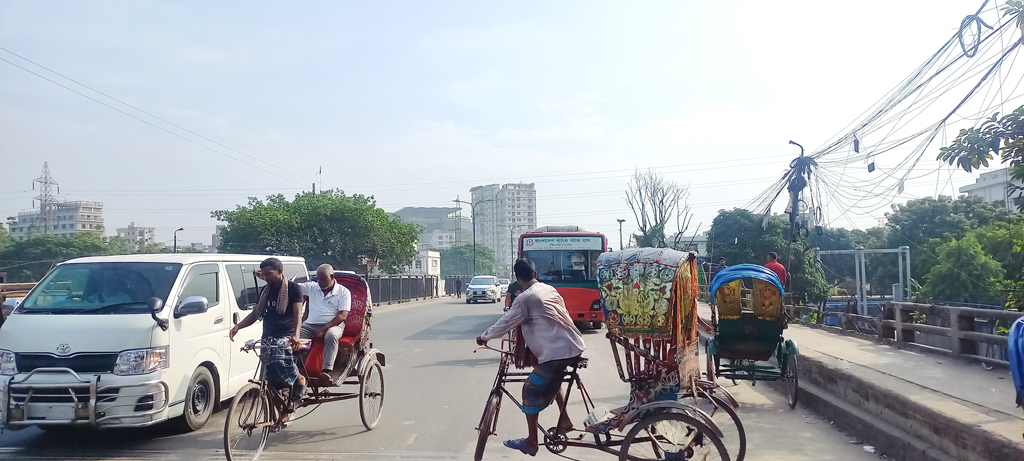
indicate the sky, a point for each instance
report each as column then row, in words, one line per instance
column 165, row 111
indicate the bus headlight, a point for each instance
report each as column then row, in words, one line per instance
column 141, row 361
column 7, row 364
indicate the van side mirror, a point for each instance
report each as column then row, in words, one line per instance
column 192, row 305
column 155, row 306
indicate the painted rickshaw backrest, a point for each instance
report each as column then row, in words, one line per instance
column 355, row 323
column 649, row 297
column 766, row 296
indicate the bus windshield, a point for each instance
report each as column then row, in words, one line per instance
column 564, row 265
column 101, row 288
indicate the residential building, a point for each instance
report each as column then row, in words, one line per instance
column 442, row 226
column 503, row 212
column 692, row 241
column 215, row 239
column 992, row 187
column 137, row 237
column 65, row 219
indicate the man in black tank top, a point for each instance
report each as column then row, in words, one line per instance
column 278, row 322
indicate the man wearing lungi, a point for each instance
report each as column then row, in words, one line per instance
column 551, row 335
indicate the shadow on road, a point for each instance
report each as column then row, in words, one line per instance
column 460, row 327
column 488, row 362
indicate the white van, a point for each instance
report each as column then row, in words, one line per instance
column 128, row 341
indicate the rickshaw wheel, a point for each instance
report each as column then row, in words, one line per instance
column 555, row 440
column 735, row 440
column 487, row 423
column 371, row 395
column 792, row 381
column 657, row 437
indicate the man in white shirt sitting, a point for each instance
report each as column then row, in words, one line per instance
column 329, row 304
column 551, row 336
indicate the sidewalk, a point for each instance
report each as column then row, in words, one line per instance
column 964, row 410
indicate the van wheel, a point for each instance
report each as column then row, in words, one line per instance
column 200, row 398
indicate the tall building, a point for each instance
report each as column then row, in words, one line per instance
column 137, row 236
column 992, row 187
column 65, row 219
column 503, row 212
column 443, row 227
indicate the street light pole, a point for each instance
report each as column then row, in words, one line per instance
column 620, row 232
column 511, row 240
column 472, row 211
column 176, row 238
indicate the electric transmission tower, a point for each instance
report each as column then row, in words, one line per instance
column 47, row 203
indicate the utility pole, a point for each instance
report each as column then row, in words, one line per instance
column 620, row 233
column 511, row 241
column 47, row 204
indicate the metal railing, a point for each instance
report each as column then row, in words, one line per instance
column 903, row 324
column 402, row 288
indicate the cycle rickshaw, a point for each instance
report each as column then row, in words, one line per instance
column 253, row 414
column 649, row 297
column 748, row 331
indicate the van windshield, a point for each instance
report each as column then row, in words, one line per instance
column 101, row 288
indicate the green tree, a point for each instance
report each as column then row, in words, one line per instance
column 738, row 236
column 964, row 273
column 325, row 227
column 927, row 223
column 973, row 147
column 1002, row 241
column 28, row 260
column 458, row 260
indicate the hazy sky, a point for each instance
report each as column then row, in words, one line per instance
column 416, row 102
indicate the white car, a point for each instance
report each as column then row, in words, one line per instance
column 504, row 285
column 483, row 288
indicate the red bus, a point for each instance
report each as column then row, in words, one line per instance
column 566, row 258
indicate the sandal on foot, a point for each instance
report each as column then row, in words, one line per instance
column 521, row 445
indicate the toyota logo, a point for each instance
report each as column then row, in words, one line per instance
column 64, row 348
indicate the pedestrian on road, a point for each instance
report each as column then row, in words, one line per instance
column 549, row 332
column 775, row 266
column 721, row 265
column 458, row 288
column 511, row 292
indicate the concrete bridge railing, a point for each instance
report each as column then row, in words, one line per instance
column 899, row 323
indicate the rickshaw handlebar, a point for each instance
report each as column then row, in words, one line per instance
column 487, row 346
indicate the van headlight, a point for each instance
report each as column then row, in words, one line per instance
column 141, row 361
column 7, row 364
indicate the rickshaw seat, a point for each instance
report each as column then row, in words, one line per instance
column 354, row 324
column 748, row 337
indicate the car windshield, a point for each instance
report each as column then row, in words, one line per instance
column 482, row 281
column 504, row 281
column 101, row 288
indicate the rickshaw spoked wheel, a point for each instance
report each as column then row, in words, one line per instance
column 792, row 380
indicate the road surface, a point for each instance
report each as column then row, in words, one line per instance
column 435, row 389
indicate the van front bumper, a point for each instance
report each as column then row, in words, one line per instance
column 62, row 397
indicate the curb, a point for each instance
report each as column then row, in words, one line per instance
column 897, row 425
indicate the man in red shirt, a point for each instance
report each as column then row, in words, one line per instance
column 775, row 266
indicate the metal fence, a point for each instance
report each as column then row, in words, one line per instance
column 402, row 288
column 958, row 331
